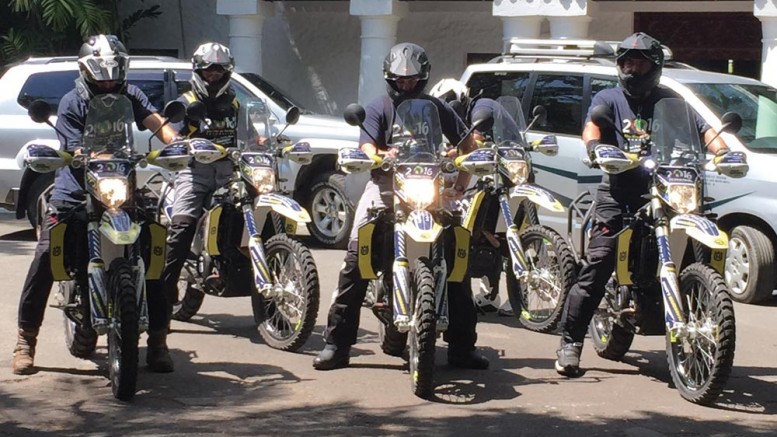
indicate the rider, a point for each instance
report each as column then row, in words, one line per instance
column 406, row 71
column 212, row 65
column 639, row 62
column 456, row 94
column 103, row 62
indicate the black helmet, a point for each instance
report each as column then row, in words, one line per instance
column 645, row 46
column 206, row 56
column 103, row 58
column 404, row 60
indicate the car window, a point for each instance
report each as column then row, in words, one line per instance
column 562, row 96
column 49, row 86
column 279, row 96
column 152, row 84
column 756, row 104
column 597, row 84
column 497, row 84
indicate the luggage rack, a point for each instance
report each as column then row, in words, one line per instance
column 563, row 50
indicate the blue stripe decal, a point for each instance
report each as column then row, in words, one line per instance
column 571, row 175
column 717, row 203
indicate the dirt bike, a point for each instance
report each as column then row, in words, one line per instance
column 502, row 217
column 402, row 249
column 242, row 247
column 121, row 234
column 670, row 256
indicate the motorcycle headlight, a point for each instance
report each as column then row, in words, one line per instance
column 517, row 171
column 683, row 198
column 113, row 192
column 420, row 192
column 263, row 179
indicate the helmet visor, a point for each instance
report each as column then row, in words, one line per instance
column 106, row 68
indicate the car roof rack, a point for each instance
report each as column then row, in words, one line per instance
column 60, row 59
column 522, row 50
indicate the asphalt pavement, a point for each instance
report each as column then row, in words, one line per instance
column 227, row 382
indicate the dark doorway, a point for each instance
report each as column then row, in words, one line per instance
column 728, row 42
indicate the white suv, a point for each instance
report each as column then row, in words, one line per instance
column 317, row 186
column 563, row 75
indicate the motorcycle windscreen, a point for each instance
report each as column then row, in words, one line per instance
column 417, row 131
column 675, row 133
column 254, row 129
column 108, row 127
column 509, row 123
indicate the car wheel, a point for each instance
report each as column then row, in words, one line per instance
column 331, row 212
column 749, row 271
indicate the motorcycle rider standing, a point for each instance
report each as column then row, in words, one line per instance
column 103, row 63
column 640, row 60
column 406, row 71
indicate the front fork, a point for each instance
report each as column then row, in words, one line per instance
column 100, row 302
column 670, row 287
column 402, row 297
column 517, row 258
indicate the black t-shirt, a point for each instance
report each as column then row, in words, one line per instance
column 71, row 117
column 632, row 116
column 381, row 113
column 223, row 114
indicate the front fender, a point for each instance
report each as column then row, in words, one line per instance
column 538, row 195
column 118, row 227
column 700, row 229
column 421, row 227
column 283, row 205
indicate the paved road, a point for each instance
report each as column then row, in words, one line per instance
column 228, row 383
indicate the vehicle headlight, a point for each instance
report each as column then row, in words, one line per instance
column 517, row 171
column 683, row 198
column 420, row 192
column 113, row 192
column 263, row 179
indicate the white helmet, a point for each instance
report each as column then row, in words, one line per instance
column 454, row 93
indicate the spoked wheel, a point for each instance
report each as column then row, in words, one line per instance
column 80, row 338
column 123, row 331
column 291, row 311
column 611, row 340
column 422, row 331
column 188, row 305
column 700, row 358
column 538, row 298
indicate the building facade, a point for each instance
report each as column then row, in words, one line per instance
column 328, row 53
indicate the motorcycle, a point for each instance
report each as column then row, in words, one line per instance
column 120, row 234
column 670, row 254
column 243, row 245
column 417, row 258
column 541, row 266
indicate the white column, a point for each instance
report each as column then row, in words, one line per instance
column 569, row 27
column 246, row 18
column 521, row 27
column 379, row 20
column 766, row 11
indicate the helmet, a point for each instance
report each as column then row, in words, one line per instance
column 406, row 60
column 645, row 46
column 211, row 54
column 454, row 93
column 103, row 58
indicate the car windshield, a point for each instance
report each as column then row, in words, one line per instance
column 280, row 97
column 757, row 104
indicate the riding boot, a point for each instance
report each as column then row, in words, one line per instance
column 24, row 352
column 157, row 354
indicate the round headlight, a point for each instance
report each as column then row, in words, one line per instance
column 263, row 179
column 683, row 198
column 113, row 192
column 420, row 192
column 517, row 171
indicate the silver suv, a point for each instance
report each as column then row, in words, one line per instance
column 563, row 75
column 319, row 187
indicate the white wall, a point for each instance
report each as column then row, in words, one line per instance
column 311, row 48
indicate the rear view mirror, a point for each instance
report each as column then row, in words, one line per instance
column 174, row 111
column 602, row 116
column 39, row 111
column 482, row 118
column 197, row 111
column 731, row 122
column 354, row 114
column 292, row 115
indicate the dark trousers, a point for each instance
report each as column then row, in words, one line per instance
column 584, row 297
column 343, row 321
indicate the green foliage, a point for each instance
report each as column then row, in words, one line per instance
column 57, row 27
